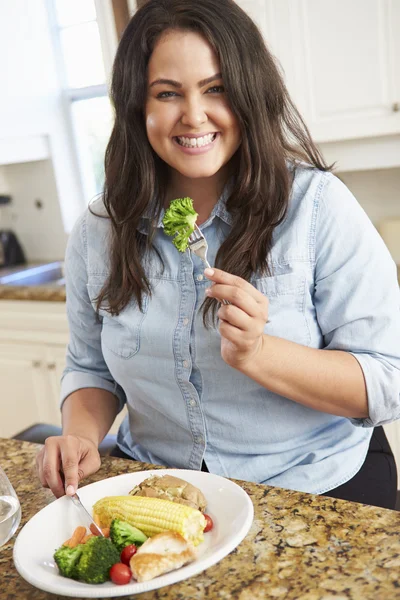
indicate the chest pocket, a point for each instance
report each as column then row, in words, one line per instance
column 120, row 334
column 286, row 295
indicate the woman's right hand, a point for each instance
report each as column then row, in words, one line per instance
column 64, row 461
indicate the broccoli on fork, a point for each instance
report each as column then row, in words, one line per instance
column 179, row 220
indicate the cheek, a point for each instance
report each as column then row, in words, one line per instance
column 152, row 125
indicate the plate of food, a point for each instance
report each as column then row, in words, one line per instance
column 159, row 527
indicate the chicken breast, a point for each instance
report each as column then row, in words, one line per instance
column 160, row 554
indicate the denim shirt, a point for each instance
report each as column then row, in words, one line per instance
column 333, row 286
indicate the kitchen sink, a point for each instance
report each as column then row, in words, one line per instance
column 41, row 274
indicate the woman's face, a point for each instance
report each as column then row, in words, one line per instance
column 188, row 119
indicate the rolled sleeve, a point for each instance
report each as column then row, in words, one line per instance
column 85, row 364
column 357, row 297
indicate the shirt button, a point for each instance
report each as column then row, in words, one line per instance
column 200, row 277
column 185, row 363
column 185, row 321
column 193, row 402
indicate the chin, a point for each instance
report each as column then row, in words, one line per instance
column 197, row 172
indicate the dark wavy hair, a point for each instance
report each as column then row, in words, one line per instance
column 272, row 131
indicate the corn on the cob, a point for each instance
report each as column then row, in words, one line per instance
column 152, row 515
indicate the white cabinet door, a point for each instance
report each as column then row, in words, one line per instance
column 341, row 62
column 54, row 365
column 351, row 67
column 23, row 387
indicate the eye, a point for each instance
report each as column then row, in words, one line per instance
column 216, row 89
column 164, row 95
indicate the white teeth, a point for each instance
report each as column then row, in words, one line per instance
column 196, row 142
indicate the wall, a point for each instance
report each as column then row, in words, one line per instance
column 34, row 213
column 377, row 191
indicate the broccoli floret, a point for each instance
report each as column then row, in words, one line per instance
column 98, row 555
column 122, row 534
column 179, row 220
column 67, row 558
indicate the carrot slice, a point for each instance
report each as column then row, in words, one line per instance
column 77, row 536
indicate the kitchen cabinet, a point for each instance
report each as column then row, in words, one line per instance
column 33, row 340
column 28, row 387
column 341, row 63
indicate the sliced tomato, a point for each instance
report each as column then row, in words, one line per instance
column 209, row 523
column 127, row 553
column 120, row 574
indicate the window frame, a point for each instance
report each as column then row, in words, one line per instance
column 109, row 42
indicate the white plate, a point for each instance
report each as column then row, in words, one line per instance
column 228, row 504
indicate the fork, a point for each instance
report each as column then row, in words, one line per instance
column 198, row 245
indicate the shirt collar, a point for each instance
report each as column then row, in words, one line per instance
column 219, row 211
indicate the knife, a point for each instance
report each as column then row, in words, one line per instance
column 77, row 501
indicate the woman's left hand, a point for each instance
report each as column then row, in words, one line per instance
column 242, row 321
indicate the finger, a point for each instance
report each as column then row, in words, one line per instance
column 219, row 276
column 51, row 467
column 236, row 317
column 233, row 334
column 70, row 466
column 90, row 463
column 235, row 295
column 39, row 468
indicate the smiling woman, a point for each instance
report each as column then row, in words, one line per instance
column 276, row 365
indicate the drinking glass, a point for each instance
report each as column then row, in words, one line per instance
column 10, row 509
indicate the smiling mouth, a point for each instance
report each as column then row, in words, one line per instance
column 198, row 142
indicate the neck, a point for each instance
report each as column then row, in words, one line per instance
column 203, row 191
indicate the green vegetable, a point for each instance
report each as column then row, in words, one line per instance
column 66, row 560
column 179, row 220
column 123, row 534
column 90, row 562
column 98, row 556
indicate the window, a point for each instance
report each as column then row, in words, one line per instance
column 85, row 43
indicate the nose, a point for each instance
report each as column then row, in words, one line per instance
column 193, row 113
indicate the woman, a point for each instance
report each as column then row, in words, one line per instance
column 285, row 384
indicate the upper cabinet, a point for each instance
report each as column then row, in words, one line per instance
column 341, row 62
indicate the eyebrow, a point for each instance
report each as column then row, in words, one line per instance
column 177, row 84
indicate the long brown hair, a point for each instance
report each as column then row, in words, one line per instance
column 272, row 130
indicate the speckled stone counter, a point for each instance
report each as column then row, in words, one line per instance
column 45, row 293
column 300, row 546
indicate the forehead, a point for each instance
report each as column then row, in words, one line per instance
column 182, row 54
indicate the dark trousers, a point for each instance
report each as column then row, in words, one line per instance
column 374, row 484
column 376, row 481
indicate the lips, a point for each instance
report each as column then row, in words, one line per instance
column 196, row 142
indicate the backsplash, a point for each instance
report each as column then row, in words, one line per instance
column 34, row 212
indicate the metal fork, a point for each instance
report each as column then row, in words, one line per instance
column 198, row 245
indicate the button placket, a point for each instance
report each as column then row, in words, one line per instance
column 183, row 359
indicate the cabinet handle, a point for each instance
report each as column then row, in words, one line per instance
column 51, row 366
column 396, row 107
column 36, row 364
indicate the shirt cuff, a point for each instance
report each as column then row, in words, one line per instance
column 78, row 380
column 382, row 391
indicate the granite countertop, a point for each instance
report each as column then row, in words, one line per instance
column 300, row 546
column 37, row 290
column 42, row 293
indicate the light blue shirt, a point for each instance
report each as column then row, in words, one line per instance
column 333, row 286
